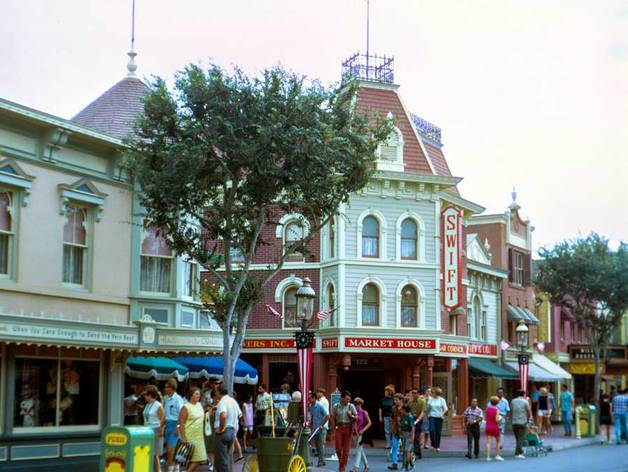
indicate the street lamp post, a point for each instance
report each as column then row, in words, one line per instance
column 523, row 359
column 304, row 341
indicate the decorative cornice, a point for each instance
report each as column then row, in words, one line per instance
column 12, row 175
column 82, row 191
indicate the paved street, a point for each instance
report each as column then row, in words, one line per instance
column 591, row 458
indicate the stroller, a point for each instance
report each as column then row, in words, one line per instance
column 535, row 447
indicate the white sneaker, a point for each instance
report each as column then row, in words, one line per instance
column 488, row 459
column 499, row 458
column 520, row 456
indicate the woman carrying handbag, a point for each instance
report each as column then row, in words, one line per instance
column 191, row 422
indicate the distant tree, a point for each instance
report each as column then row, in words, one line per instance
column 590, row 279
column 230, row 154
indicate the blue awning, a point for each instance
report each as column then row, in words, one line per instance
column 159, row 368
column 486, row 368
column 214, row 366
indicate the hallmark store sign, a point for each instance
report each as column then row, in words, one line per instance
column 384, row 343
column 268, row 344
column 451, row 250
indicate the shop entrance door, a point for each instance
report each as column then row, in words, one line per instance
column 443, row 380
column 368, row 385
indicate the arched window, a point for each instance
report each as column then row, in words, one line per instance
column 409, row 307
column 331, row 303
column 389, row 151
column 290, row 308
column 409, row 238
column 332, row 238
column 480, row 320
column 293, row 233
column 370, row 237
column 370, row 305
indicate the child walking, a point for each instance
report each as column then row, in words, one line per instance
column 248, row 421
column 407, row 437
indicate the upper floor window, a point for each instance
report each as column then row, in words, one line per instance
column 370, row 305
column 293, row 233
column 290, row 308
column 409, row 239
column 480, row 320
column 370, row 237
column 6, row 232
column 519, row 267
column 331, row 304
column 409, row 307
column 236, row 254
column 332, row 238
column 156, row 262
column 75, row 245
column 453, row 324
column 391, row 152
column 189, row 279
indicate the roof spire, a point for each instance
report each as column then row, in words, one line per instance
column 132, row 66
column 514, row 205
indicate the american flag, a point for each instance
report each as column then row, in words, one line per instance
column 504, row 345
column 273, row 312
column 323, row 315
column 523, row 377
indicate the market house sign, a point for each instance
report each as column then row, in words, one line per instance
column 384, row 343
column 451, row 232
column 268, row 344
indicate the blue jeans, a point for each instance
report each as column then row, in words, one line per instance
column 621, row 428
column 395, row 449
column 566, row 415
column 436, row 428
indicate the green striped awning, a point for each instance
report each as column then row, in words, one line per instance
column 487, row 368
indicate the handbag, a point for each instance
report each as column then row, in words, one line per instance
column 183, row 452
column 208, row 425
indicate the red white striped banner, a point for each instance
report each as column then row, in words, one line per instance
column 523, row 377
column 304, row 359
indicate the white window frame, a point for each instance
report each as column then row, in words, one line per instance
column 283, row 308
column 518, row 271
column 421, row 305
column 383, row 313
column 290, row 281
column 187, row 264
column 379, row 216
column 282, row 225
column 329, row 322
column 24, row 430
column 420, row 224
column 13, row 208
column 173, row 261
column 388, row 165
column 88, row 225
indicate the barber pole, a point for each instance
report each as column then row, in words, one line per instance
column 304, row 342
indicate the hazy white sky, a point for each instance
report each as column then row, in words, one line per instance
column 532, row 94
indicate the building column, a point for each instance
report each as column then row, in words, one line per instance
column 416, row 375
column 332, row 373
column 265, row 371
column 319, row 370
column 429, row 378
column 115, row 387
column 463, row 384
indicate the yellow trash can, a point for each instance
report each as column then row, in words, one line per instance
column 127, row 449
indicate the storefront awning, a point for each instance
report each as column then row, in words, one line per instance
column 214, row 366
column 549, row 365
column 159, row 368
column 488, row 368
column 537, row 373
column 517, row 314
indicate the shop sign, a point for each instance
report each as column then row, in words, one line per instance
column 585, row 368
column 61, row 334
column 196, row 341
column 477, row 349
column 268, row 344
column 451, row 237
column 447, row 348
column 581, row 353
column 329, row 343
column 383, row 343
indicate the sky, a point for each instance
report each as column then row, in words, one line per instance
column 529, row 94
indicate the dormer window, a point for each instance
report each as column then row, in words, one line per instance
column 390, row 153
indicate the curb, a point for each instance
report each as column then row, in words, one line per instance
column 510, row 452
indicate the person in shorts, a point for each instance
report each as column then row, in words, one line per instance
column 406, row 427
column 247, row 428
column 172, row 407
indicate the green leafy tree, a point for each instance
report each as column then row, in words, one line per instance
column 591, row 280
column 230, row 154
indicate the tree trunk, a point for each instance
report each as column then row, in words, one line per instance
column 228, row 367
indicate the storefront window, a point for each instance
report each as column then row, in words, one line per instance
column 56, row 392
column 409, row 307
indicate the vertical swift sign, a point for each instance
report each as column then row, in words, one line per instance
column 451, row 237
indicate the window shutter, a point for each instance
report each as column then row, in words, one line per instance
column 511, row 265
column 526, row 269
